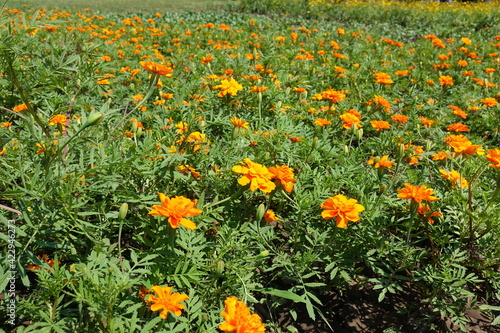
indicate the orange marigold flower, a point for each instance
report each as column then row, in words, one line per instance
column 462, row 146
column 239, row 319
column 258, row 89
column 441, row 155
column 490, row 101
column 270, row 216
column 426, row 121
column 454, row 177
column 322, row 122
column 257, row 175
column 176, row 209
column 4, row 149
column 381, row 162
column 383, row 78
column 20, row 107
column 57, row 119
column 342, row 208
column 381, row 101
column 166, row 301
column 156, row 68
column 494, row 157
column 333, row 96
column 237, row 122
column 349, row 119
column 6, row 124
column 380, row 124
column 458, row 127
column 458, row 112
column 399, row 118
column 416, row 193
column 425, row 210
column 228, row 87
column 283, row 175
column 445, row 80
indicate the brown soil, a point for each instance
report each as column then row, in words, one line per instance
column 357, row 310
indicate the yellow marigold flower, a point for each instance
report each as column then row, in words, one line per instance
column 176, row 209
column 57, row 119
column 341, row 208
column 445, row 80
column 237, row 122
column 4, row 149
column 270, row 216
column 257, row 175
column 380, row 124
column 156, row 68
column 322, row 122
column 6, row 124
column 238, row 318
column 494, row 157
column 283, row 175
column 416, row 193
column 228, row 87
column 382, row 162
column 166, row 301
column 454, row 177
column 182, row 127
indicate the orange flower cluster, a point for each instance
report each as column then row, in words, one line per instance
column 383, row 78
column 260, row 177
column 341, row 208
column 239, row 319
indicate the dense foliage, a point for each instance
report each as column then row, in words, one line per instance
column 173, row 161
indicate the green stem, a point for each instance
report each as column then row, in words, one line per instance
column 296, row 233
column 413, row 212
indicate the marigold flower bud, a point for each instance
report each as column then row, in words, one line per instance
column 260, row 212
column 123, row 211
column 219, row 267
column 94, row 119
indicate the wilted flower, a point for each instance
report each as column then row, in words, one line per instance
column 425, row 210
column 341, row 208
column 166, row 301
column 176, row 209
column 270, row 216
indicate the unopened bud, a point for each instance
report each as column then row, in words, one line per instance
column 278, row 105
column 219, row 267
column 139, row 132
column 94, row 119
column 359, row 134
column 315, row 142
column 267, row 156
column 123, row 211
column 346, row 149
column 428, row 145
column 260, row 212
column 264, row 253
column 401, row 150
